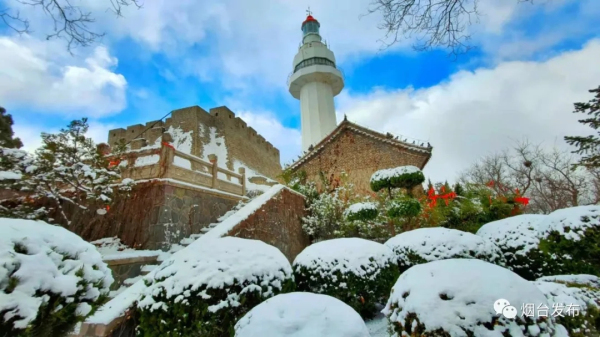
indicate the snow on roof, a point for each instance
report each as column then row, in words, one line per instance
column 347, row 255
column 442, row 243
column 571, row 222
column 53, row 257
column 394, row 172
column 228, row 224
column 517, row 232
column 359, row 206
column 217, row 263
column 119, row 305
column 301, row 315
column 459, row 294
column 581, row 279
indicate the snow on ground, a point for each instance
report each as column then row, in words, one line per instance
column 113, row 249
column 147, row 160
column 378, row 326
column 360, row 206
column 118, row 305
column 42, row 256
column 560, row 294
column 347, row 255
column 442, row 243
column 516, row 232
column 301, row 315
column 458, row 294
column 393, row 172
column 571, row 222
column 217, row 263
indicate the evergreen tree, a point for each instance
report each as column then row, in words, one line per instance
column 458, row 189
column 6, row 132
column 588, row 146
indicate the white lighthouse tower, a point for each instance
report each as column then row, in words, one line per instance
column 314, row 81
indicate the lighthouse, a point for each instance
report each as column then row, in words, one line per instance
column 315, row 80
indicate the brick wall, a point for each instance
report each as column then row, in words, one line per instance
column 278, row 223
column 243, row 142
column 359, row 156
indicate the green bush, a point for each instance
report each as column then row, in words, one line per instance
column 581, row 291
column 400, row 177
column 358, row 272
column 456, row 297
column 431, row 244
column 204, row 289
column 566, row 241
column 404, row 208
column 362, row 211
column 50, row 279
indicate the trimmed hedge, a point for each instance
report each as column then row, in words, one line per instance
column 456, row 297
column 405, row 207
column 399, row 177
column 362, row 211
column 204, row 289
column 50, row 279
column 358, row 272
column 431, row 244
column 566, row 241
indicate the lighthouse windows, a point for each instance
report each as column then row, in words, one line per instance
column 312, row 61
column 310, row 27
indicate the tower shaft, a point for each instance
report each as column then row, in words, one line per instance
column 318, row 112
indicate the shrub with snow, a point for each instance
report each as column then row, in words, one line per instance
column 398, row 177
column 577, row 297
column 206, row 287
column 302, row 315
column 50, row 279
column 565, row 241
column 404, row 208
column 356, row 271
column 362, row 211
column 431, row 244
column 456, row 297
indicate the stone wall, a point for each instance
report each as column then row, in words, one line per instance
column 243, row 142
column 156, row 215
column 279, row 223
column 359, row 156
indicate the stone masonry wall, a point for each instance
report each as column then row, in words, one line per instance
column 359, row 156
column 156, row 214
column 278, row 223
column 243, row 142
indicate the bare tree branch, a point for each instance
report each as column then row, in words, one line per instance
column 71, row 22
column 434, row 23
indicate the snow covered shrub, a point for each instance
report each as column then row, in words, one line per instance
column 302, row 315
column 432, row 244
column 356, row 271
column 362, row 211
column 50, row 279
column 579, row 298
column 325, row 215
column 404, row 208
column 399, row 177
column 205, row 288
column 565, row 241
column 437, row 299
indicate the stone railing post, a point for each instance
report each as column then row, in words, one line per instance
column 242, row 171
column 167, row 156
column 215, row 169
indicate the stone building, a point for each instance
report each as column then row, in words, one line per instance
column 216, row 132
column 358, row 152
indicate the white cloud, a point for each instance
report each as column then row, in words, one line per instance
column 476, row 113
column 40, row 74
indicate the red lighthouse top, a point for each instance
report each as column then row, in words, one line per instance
column 309, row 18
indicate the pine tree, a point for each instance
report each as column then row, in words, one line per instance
column 458, row 189
column 588, row 146
column 6, row 132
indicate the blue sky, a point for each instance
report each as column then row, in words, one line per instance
column 530, row 64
